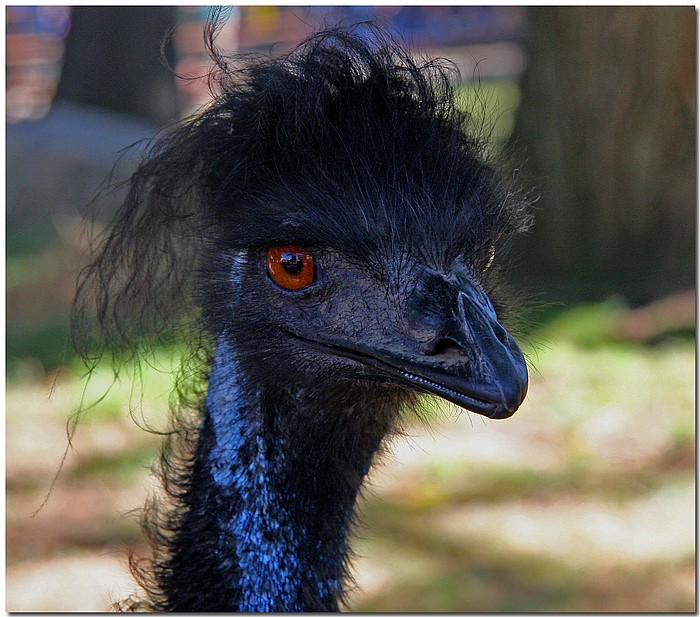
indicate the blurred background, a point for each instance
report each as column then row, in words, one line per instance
column 584, row 500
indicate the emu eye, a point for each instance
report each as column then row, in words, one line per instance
column 290, row 267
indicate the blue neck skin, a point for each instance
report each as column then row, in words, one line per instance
column 265, row 544
column 269, row 507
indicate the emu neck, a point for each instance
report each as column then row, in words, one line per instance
column 270, row 501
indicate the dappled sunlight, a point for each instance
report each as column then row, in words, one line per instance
column 583, row 501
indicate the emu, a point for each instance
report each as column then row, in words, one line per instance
column 325, row 235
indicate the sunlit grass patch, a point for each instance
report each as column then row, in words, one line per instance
column 566, row 552
column 618, row 402
column 117, row 466
column 141, row 387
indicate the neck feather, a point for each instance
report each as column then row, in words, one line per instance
column 269, row 502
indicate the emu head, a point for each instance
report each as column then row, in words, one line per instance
column 337, row 221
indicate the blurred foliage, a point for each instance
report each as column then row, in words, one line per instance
column 24, row 242
column 493, row 102
column 40, row 270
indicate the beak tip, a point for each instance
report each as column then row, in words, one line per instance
column 510, row 406
column 502, row 413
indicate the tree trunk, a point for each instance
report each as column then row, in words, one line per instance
column 113, row 60
column 607, row 129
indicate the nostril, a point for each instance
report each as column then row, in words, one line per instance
column 442, row 345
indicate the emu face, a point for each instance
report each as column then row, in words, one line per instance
column 384, row 284
column 387, row 318
column 358, row 217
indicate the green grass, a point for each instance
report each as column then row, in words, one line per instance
column 117, row 467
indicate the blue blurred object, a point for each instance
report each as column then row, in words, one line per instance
column 43, row 20
column 438, row 26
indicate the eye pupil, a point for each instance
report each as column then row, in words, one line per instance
column 292, row 263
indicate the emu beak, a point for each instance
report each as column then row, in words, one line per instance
column 470, row 359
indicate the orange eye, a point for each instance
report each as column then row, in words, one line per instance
column 290, row 267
